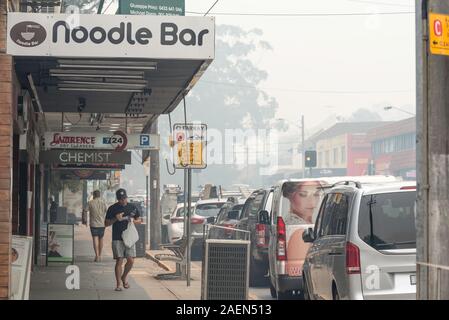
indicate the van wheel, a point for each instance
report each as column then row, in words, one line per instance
column 273, row 291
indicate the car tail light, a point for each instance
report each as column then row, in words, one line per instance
column 197, row 220
column 352, row 259
column 176, row 220
column 409, row 188
column 260, row 234
column 281, row 247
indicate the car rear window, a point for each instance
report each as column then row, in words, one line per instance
column 387, row 221
column 208, row 209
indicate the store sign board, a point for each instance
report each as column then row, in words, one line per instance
column 153, row 7
column 110, row 36
column 60, row 243
column 88, row 166
column 84, row 175
column 85, row 157
column 21, row 259
column 117, row 141
column 190, row 146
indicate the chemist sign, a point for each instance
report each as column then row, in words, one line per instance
column 190, row 145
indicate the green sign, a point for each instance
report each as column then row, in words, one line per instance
column 152, row 7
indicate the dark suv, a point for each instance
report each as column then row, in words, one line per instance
column 258, row 205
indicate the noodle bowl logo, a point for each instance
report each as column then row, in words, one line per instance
column 28, row 34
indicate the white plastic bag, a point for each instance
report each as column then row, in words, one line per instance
column 130, row 236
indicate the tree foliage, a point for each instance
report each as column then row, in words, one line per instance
column 228, row 97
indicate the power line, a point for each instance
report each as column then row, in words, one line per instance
column 382, row 3
column 211, row 8
column 305, row 91
column 306, row 14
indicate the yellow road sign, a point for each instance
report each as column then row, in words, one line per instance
column 190, row 140
column 439, row 34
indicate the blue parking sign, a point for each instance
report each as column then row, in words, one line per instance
column 145, row 140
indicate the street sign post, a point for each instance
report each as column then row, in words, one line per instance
column 189, row 149
column 190, row 146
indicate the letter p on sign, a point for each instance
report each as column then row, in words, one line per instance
column 144, row 140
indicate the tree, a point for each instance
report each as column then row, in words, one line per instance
column 364, row 115
column 228, row 97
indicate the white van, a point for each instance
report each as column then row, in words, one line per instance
column 295, row 207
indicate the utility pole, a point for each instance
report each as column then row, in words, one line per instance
column 155, row 208
column 303, row 148
column 432, row 117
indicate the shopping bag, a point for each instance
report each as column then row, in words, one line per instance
column 130, row 236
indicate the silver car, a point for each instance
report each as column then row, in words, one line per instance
column 363, row 243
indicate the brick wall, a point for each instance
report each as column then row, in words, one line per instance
column 5, row 156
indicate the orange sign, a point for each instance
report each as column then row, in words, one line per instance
column 439, row 34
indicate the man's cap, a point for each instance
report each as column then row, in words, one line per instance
column 121, row 194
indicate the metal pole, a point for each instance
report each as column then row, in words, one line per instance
column 155, row 210
column 303, row 148
column 185, row 204
column 432, row 157
column 147, row 211
column 421, row 150
column 189, row 201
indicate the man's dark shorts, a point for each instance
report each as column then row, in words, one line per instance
column 97, row 232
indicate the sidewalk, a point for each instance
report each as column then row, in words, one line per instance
column 97, row 279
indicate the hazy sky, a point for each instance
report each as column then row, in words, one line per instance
column 331, row 64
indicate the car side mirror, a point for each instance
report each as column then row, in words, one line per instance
column 233, row 214
column 166, row 217
column 308, row 235
column 211, row 220
column 264, row 217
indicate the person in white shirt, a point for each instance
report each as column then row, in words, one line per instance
column 97, row 213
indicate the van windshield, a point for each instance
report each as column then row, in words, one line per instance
column 387, row 221
column 299, row 201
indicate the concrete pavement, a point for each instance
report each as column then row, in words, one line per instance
column 97, row 278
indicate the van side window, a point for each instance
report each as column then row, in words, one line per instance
column 246, row 208
column 326, row 216
column 257, row 204
column 269, row 202
column 339, row 215
column 320, row 216
column 276, row 203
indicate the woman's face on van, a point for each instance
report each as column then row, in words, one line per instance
column 305, row 199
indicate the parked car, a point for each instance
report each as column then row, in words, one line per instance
column 258, row 203
column 295, row 206
column 205, row 212
column 228, row 217
column 175, row 226
column 363, row 243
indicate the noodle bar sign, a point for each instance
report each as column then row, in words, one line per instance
column 113, row 36
column 84, row 157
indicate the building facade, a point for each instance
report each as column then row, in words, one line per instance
column 393, row 149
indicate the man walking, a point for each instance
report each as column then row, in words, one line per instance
column 119, row 215
column 97, row 213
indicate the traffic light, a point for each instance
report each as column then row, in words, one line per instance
column 310, row 158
